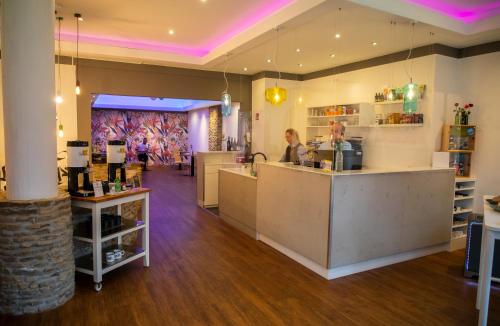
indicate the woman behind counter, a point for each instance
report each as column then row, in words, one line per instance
column 295, row 152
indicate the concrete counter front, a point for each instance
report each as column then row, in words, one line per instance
column 342, row 223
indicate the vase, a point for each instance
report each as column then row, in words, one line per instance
column 465, row 119
column 458, row 118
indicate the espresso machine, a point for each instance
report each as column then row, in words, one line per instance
column 78, row 163
column 115, row 154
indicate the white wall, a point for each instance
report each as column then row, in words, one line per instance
column 67, row 111
column 480, row 84
column 268, row 133
column 384, row 147
column 198, row 121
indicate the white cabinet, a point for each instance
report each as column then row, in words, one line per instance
column 207, row 175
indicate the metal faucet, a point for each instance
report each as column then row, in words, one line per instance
column 252, row 160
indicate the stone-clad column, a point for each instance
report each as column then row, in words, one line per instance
column 28, row 98
column 36, row 247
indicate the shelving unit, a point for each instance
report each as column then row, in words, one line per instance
column 464, row 202
column 95, row 263
column 459, row 142
column 354, row 115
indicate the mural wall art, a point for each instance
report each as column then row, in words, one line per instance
column 166, row 132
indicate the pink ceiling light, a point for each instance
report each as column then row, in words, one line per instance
column 249, row 20
column 465, row 13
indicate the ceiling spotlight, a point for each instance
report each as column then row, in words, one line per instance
column 297, row 50
column 337, row 35
column 245, row 69
column 300, row 65
column 80, row 18
column 374, row 43
column 332, row 55
column 269, row 60
column 171, row 32
column 203, row 1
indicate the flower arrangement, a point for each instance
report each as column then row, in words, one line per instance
column 462, row 113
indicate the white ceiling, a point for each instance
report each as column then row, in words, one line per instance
column 122, row 30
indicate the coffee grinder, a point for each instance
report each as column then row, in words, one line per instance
column 78, row 161
column 115, row 154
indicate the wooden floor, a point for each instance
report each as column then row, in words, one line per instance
column 203, row 272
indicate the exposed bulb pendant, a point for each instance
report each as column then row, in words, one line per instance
column 77, row 88
column 60, row 131
column 58, row 97
column 77, row 68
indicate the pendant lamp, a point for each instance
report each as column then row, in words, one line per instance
column 410, row 90
column 59, row 98
column 226, row 97
column 276, row 95
column 77, row 68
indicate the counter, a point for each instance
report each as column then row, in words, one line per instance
column 341, row 223
column 238, row 199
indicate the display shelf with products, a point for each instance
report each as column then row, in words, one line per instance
column 320, row 119
column 462, row 211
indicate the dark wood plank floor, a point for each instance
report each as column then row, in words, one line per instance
column 203, row 272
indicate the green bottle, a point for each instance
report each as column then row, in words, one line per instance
column 118, row 185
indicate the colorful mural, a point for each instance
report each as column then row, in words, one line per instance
column 166, row 132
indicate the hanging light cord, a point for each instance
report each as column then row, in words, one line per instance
column 225, row 77
column 276, row 54
column 410, row 51
column 77, row 47
column 59, row 53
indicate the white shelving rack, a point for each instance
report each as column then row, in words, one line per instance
column 463, row 208
column 354, row 115
column 95, row 264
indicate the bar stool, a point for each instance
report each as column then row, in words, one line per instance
column 491, row 232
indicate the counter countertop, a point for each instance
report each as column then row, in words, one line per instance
column 353, row 172
column 243, row 171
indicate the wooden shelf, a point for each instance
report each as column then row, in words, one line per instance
column 388, row 102
column 460, row 151
column 333, row 116
column 458, row 225
column 397, row 125
column 84, row 264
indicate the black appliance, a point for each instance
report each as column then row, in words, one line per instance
column 353, row 159
column 473, row 250
column 78, row 163
column 115, row 156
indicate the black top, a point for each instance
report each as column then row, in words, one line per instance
column 77, row 143
column 116, row 142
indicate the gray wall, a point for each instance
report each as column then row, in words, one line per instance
column 107, row 77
